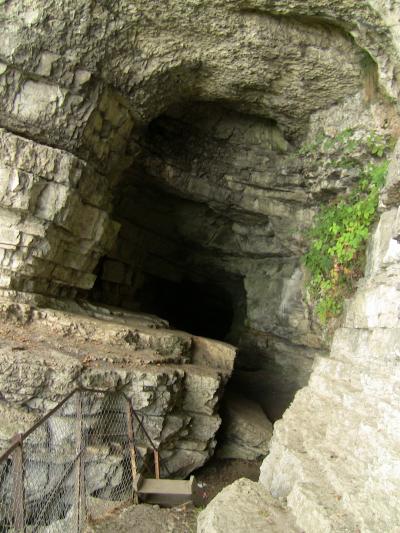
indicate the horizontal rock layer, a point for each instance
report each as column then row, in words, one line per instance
column 100, row 129
column 172, row 378
column 80, row 106
column 335, row 454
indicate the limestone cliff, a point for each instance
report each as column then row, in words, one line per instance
column 334, row 455
column 149, row 154
column 174, row 123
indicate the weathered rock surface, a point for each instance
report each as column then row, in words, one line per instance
column 45, row 359
column 115, row 118
column 335, row 454
column 144, row 144
column 242, row 507
column 246, row 430
column 145, row 518
column 15, row 420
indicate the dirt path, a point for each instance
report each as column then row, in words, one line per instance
column 142, row 518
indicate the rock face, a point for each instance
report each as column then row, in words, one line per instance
column 45, row 359
column 334, row 455
column 245, row 431
column 117, row 121
column 245, row 506
column 151, row 156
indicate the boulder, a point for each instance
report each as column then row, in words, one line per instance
column 246, row 430
column 243, row 507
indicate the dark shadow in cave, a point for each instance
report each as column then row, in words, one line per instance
column 203, row 309
column 185, row 236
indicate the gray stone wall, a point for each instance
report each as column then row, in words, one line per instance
column 334, row 455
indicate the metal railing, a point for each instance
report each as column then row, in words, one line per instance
column 76, row 463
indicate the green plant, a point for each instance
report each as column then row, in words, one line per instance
column 336, row 254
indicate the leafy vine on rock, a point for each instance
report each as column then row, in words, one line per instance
column 337, row 240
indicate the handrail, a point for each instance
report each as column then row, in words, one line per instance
column 18, row 438
column 16, row 441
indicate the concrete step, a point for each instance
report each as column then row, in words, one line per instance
column 165, row 492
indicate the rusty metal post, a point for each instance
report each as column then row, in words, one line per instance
column 18, row 486
column 80, row 497
column 132, row 449
column 156, row 463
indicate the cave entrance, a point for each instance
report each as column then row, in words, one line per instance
column 203, row 309
column 212, row 215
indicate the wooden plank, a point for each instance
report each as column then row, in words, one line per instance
column 166, row 486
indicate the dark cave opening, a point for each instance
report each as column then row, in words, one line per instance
column 203, row 309
column 210, row 215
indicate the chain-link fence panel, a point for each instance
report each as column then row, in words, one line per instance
column 7, row 510
column 49, row 478
column 107, row 464
column 78, row 463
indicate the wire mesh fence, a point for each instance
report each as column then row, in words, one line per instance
column 75, row 464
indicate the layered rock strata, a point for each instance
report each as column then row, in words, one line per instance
column 180, row 123
column 122, row 91
column 335, row 454
column 175, row 381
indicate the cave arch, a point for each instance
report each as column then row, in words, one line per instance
column 85, row 183
column 211, row 212
column 184, row 164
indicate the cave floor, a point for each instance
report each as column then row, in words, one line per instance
column 211, row 478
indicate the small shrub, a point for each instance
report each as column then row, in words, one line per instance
column 336, row 254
